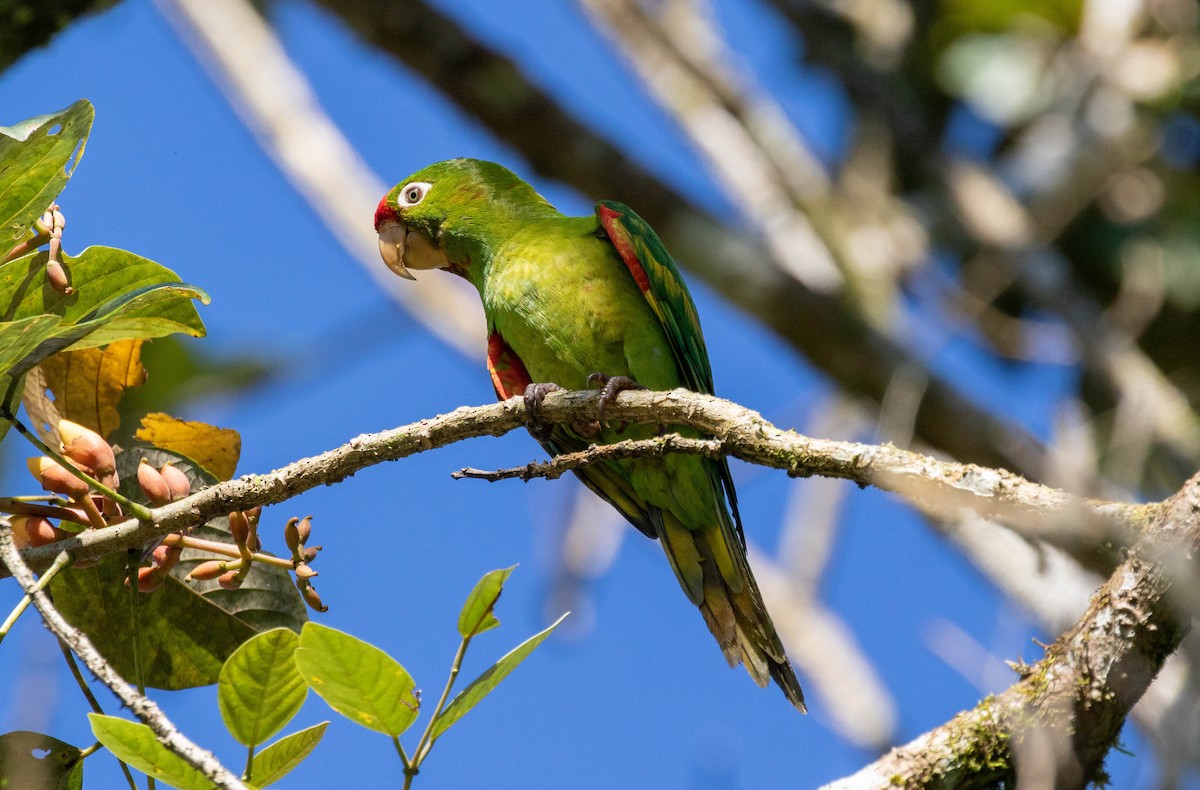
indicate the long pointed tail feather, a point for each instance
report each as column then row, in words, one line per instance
column 738, row 620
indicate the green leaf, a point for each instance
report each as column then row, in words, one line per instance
column 485, row 683
column 184, row 638
column 19, row 339
column 118, row 296
column 31, row 759
column 277, row 760
column 134, row 743
column 37, row 157
column 260, row 690
column 357, row 679
column 476, row 616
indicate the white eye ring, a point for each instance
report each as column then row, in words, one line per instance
column 413, row 193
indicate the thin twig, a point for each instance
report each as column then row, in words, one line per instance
column 60, row 562
column 629, row 448
column 72, row 665
column 143, row 708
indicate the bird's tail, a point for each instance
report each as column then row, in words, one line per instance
column 712, row 568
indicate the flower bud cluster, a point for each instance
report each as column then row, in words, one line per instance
column 83, row 453
column 296, row 534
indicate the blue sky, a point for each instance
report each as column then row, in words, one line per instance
column 642, row 699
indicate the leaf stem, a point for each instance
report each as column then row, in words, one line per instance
column 92, row 701
column 61, row 561
column 248, row 773
column 17, row 507
column 426, row 742
column 410, row 768
column 88, row 751
column 225, row 550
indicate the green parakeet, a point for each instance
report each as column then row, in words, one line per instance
column 569, row 297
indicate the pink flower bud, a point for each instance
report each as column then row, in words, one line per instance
column 153, row 484
column 206, row 571
column 56, row 479
column 177, row 481
column 89, row 450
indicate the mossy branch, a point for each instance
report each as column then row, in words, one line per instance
column 1055, row 726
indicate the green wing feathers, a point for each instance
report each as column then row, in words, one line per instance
column 658, row 277
column 706, row 550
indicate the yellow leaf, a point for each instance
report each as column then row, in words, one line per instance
column 88, row 384
column 216, row 449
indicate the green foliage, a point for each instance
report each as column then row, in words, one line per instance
column 186, row 630
column 118, row 295
column 182, row 633
column 135, row 744
column 37, row 156
column 30, row 759
column 277, row 760
column 260, row 689
column 183, row 637
column 477, row 614
column 357, row 679
column 483, row 685
column 372, row 689
column 259, row 692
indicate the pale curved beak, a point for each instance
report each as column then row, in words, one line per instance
column 391, row 247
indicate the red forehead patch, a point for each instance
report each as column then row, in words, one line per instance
column 385, row 211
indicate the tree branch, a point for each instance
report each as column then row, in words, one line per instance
column 143, row 708
column 935, row 487
column 1057, row 724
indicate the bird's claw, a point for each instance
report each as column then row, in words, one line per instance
column 610, row 386
column 534, row 395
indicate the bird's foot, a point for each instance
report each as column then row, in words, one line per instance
column 610, row 386
column 534, row 395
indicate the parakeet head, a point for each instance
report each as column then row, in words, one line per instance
column 437, row 217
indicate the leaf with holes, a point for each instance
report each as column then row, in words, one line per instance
column 357, row 679
column 31, row 759
column 37, row 157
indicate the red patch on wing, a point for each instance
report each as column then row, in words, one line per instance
column 385, row 211
column 620, row 239
column 508, row 372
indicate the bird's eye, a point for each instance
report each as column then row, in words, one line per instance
column 413, row 193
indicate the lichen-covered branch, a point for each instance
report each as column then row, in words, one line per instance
column 1054, row 727
column 935, row 487
column 142, row 707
